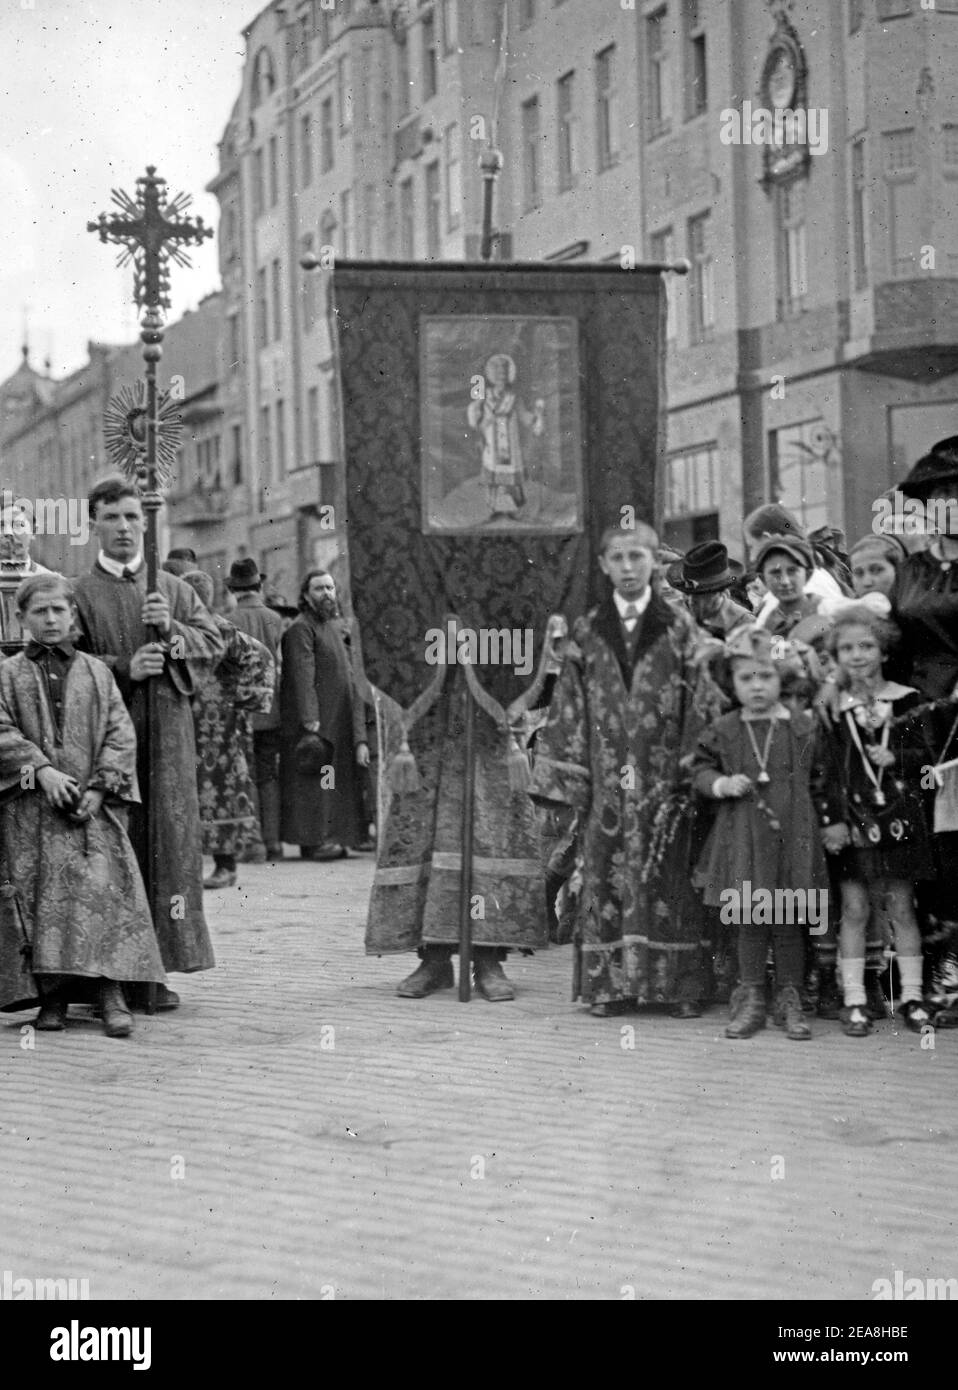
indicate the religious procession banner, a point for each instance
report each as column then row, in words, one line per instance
column 495, row 419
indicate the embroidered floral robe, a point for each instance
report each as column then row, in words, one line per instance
column 82, row 904
column 612, row 748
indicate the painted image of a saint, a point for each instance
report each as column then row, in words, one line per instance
column 500, row 417
column 501, row 433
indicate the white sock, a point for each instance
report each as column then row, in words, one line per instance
column 910, row 972
column 853, row 983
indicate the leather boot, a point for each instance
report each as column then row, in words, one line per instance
column 53, row 1009
column 748, row 1011
column 489, row 977
column 435, row 972
column 790, row 1016
column 117, row 1019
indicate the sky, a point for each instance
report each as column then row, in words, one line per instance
column 91, row 92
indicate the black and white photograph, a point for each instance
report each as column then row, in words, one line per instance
column 479, row 527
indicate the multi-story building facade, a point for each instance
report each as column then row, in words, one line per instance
column 812, row 350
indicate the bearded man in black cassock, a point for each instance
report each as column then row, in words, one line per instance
column 322, row 814
column 114, row 614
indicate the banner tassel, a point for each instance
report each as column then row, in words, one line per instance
column 403, row 772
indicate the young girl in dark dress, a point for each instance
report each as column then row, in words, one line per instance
column 880, row 838
column 757, row 762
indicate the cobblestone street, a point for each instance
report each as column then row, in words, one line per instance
column 298, row 1131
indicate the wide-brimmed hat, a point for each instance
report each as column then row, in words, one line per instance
column 244, row 574
column 799, row 550
column 939, row 465
column 704, row 569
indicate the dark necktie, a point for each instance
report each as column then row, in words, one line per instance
column 128, row 573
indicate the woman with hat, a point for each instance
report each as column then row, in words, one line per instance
column 705, row 576
column 925, row 608
column 784, row 564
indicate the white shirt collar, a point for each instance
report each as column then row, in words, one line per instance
column 116, row 567
column 639, row 604
column 888, row 690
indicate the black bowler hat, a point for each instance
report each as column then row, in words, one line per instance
column 704, row 570
column 940, row 465
column 244, row 574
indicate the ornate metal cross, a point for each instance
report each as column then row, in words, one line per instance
column 151, row 231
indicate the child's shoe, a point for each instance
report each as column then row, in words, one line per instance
column 917, row 1015
column 748, row 1011
column 875, row 1001
column 855, row 1021
column 829, row 994
column 790, row 1015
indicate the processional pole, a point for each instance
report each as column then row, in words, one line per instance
column 142, row 427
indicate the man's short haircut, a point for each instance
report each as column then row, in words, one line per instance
column 641, row 532
column 109, row 491
column 42, row 584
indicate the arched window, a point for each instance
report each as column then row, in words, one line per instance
column 264, row 76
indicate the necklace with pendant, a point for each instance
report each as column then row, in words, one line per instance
column 761, row 758
column 878, row 796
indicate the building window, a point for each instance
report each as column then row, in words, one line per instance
column 792, row 256
column 605, row 122
column 273, row 171
column 403, row 81
column 856, row 15
column 696, row 85
column 265, row 445
column 281, row 439
column 368, row 247
column 313, row 423
column 235, row 344
column 309, row 285
column 565, row 105
column 262, row 309
column 691, row 500
column 799, row 459
column 327, row 148
column 433, row 212
column 346, row 222
column 453, row 177
column 264, row 77
column 327, row 230
column 259, row 186
column 662, row 250
column 301, row 51
column 660, row 73
column 277, row 303
column 859, row 216
column 701, row 286
column 323, row 27
column 430, row 58
column 527, row 13
column 306, row 150
column 895, row 9
column 450, row 26
column 407, row 224
column 531, row 174
column 236, row 464
column 904, row 207
column 345, row 94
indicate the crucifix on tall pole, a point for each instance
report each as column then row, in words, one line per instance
column 142, row 427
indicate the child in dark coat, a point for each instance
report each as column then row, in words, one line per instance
column 763, row 861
